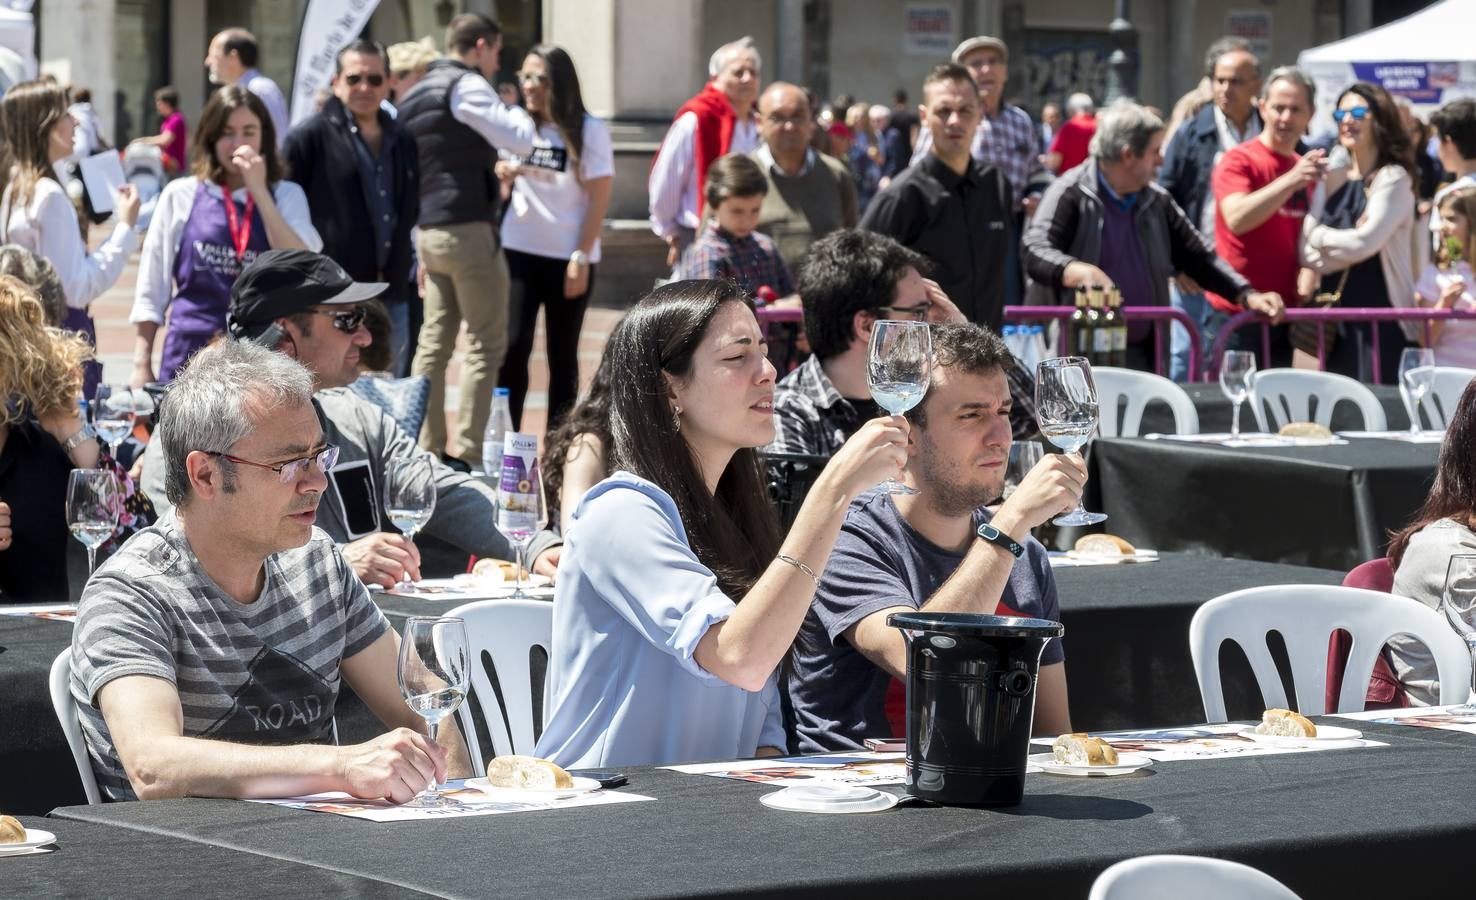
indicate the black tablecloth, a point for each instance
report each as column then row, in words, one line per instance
column 1331, row 507
column 1343, row 823
column 1215, row 411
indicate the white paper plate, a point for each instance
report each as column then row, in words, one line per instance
column 830, row 798
column 35, row 837
column 468, row 580
column 1140, row 555
column 1126, row 762
column 1324, row 733
column 581, row 786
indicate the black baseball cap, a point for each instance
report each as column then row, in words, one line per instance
column 282, row 282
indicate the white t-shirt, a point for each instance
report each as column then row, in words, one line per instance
column 548, row 201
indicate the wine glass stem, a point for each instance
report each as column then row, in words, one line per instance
column 1080, row 501
column 1235, row 421
column 518, row 567
column 431, row 727
column 91, row 559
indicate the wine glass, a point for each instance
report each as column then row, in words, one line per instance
column 1458, row 602
column 93, row 506
column 1237, row 374
column 899, row 367
column 1416, row 376
column 409, row 499
column 522, row 509
column 113, row 409
column 1023, row 457
column 433, row 680
column 1066, row 410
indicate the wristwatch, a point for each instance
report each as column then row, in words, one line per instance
column 76, row 440
column 579, row 258
column 998, row 538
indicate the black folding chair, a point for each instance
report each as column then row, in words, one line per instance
column 789, row 477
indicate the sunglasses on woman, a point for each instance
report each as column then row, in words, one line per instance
column 374, row 78
column 532, row 78
column 1359, row 113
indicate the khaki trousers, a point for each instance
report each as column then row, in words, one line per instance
column 465, row 280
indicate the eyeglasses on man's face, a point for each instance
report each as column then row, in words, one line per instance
column 290, row 471
column 345, row 320
column 918, row 311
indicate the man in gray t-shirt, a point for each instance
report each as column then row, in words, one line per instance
column 209, row 651
column 934, row 550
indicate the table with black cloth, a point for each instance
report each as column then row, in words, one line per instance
column 1338, row 823
column 1215, row 411
column 1329, row 506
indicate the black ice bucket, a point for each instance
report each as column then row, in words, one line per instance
column 970, row 703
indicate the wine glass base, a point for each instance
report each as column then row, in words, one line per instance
column 1080, row 517
column 431, row 800
column 895, row 488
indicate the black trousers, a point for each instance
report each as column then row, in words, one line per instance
column 538, row 281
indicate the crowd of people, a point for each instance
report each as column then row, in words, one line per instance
column 688, row 625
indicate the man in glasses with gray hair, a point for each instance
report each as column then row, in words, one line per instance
column 303, row 305
column 210, row 649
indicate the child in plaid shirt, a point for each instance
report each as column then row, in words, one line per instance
column 729, row 245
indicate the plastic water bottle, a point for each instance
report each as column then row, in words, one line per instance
column 498, row 425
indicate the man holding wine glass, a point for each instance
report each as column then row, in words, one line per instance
column 210, row 649
column 937, row 549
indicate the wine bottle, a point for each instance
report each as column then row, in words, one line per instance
column 1080, row 328
column 1101, row 354
column 1119, row 330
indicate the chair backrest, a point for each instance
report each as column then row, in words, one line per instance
column 502, row 635
column 1445, row 392
column 66, row 715
column 1139, row 388
column 1305, row 616
column 404, row 399
column 1289, row 393
column 1384, row 689
column 1170, row 877
column 789, row 477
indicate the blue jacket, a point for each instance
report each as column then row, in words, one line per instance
column 1189, row 160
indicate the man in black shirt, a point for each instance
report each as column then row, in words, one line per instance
column 949, row 207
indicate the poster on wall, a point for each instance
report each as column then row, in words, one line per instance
column 1252, row 26
column 929, row 29
column 1057, row 63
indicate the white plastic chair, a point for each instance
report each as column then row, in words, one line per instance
column 1139, row 388
column 1445, row 393
column 1306, row 615
column 1170, row 877
column 66, row 715
column 1290, row 392
column 506, row 631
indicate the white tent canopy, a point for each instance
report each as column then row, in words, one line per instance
column 1428, row 57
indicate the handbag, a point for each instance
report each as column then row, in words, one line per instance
column 1303, row 335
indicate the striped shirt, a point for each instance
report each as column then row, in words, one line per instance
column 673, row 185
column 259, row 673
column 1007, row 141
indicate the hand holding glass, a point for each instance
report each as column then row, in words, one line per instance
column 1458, row 602
column 1023, row 457
column 93, row 505
column 433, row 680
column 899, row 367
column 409, row 498
column 1066, row 410
column 1416, row 376
column 1237, row 374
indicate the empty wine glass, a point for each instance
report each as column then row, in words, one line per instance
column 899, row 367
column 1237, row 374
column 113, row 410
column 1458, row 602
column 409, row 498
column 93, row 505
column 433, row 680
column 1416, row 376
column 1023, row 457
column 1066, row 410
column 522, row 509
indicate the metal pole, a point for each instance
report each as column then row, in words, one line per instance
column 1122, row 70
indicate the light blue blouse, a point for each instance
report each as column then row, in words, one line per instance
column 631, row 605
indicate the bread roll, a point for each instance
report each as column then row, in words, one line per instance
column 1104, row 545
column 11, row 830
column 1304, row 429
column 526, row 773
column 1079, row 749
column 1285, row 723
column 497, row 570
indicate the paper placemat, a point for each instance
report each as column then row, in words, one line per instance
column 1458, row 717
column 1248, row 439
column 466, row 590
column 61, row 612
column 473, row 803
column 864, row 768
column 1423, row 437
column 1205, row 742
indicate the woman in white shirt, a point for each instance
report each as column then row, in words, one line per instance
column 551, row 232
column 198, row 243
column 37, row 214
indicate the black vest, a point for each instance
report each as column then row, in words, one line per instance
column 457, row 181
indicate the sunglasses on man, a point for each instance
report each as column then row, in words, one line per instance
column 374, row 78
column 345, row 320
column 1359, row 113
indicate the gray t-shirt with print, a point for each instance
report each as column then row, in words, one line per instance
column 260, row 673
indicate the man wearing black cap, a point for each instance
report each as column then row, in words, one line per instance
column 303, row 304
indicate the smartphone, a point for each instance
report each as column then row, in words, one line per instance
column 606, row 779
column 886, row 745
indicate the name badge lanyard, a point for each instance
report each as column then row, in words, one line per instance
column 240, row 230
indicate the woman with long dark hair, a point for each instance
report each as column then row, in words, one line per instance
column 1357, row 237
column 200, row 238
column 676, row 599
column 551, row 233
column 1420, row 553
column 37, row 214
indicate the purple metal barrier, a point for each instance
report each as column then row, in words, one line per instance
column 1158, row 314
column 1350, row 314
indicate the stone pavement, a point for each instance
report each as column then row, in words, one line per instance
column 115, row 350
